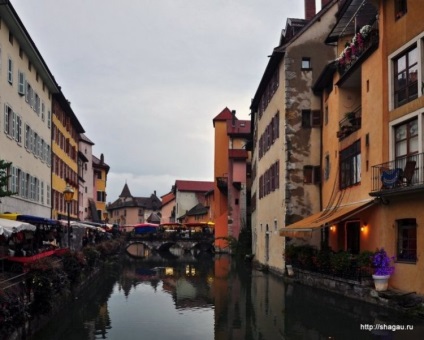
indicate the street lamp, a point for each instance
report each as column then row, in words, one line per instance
column 68, row 195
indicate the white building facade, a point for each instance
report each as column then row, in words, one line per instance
column 26, row 87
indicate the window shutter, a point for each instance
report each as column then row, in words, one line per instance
column 317, row 174
column 306, row 118
column 316, row 118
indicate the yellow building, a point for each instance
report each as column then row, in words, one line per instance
column 100, row 171
column 65, row 138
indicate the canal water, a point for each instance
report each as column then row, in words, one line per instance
column 205, row 297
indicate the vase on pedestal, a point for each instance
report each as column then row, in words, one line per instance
column 381, row 282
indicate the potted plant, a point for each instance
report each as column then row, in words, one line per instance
column 289, row 255
column 383, row 268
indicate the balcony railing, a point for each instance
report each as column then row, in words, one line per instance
column 358, row 50
column 350, row 123
column 222, row 184
column 402, row 174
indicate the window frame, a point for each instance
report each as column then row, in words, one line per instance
column 407, row 88
column 401, row 8
column 350, row 165
column 311, row 118
column 306, row 64
column 403, row 225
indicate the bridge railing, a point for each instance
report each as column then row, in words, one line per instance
column 172, row 236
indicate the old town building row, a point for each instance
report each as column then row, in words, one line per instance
column 41, row 135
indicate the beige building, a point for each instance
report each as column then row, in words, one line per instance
column 87, row 210
column 286, row 123
column 26, row 88
column 129, row 210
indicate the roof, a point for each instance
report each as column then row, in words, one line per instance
column 150, row 203
column 153, row 218
column 167, row 198
column 353, row 13
column 202, row 186
column 84, row 138
column 279, row 52
column 224, row 115
column 125, row 191
column 100, row 163
column 11, row 19
column 198, row 209
column 325, row 78
column 66, row 107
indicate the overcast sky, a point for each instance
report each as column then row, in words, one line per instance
column 146, row 77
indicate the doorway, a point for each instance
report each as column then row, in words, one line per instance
column 353, row 237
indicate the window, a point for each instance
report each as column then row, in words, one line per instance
column 311, row 174
column 406, row 139
column 350, row 165
column 406, row 77
column 49, row 119
column 400, row 8
column 8, row 119
column 311, row 118
column 327, row 167
column 407, row 240
column 18, row 128
column 21, row 83
column 306, row 63
column 10, row 71
column 43, row 111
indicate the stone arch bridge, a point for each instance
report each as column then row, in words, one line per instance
column 156, row 244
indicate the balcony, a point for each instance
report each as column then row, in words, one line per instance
column 350, row 123
column 364, row 43
column 401, row 176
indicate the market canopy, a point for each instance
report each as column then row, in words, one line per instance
column 8, row 227
column 305, row 227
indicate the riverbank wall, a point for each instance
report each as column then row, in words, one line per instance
column 405, row 302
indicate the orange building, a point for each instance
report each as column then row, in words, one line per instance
column 232, row 174
column 372, row 136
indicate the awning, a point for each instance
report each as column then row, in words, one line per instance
column 305, row 227
column 8, row 227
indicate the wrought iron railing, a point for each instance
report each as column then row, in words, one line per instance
column 400, row 174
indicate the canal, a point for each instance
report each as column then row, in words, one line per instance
column 206, row 297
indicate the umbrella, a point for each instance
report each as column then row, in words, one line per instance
column 8, row 227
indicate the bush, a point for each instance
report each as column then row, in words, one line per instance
column 340, row 262
column 92, row 256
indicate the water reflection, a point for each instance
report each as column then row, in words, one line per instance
column 190, row 297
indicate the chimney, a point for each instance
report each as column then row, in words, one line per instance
column 324, row 3
column 310, row 9
column 233, row 121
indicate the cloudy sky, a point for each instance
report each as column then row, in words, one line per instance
column 146, row 77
